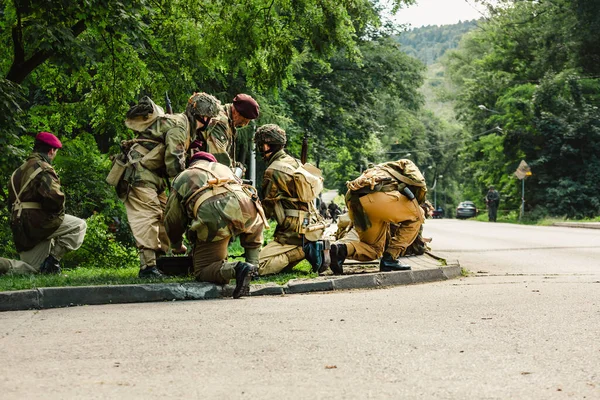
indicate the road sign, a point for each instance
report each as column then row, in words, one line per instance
column 523, row 171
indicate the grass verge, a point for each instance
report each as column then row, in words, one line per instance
column 124, row 276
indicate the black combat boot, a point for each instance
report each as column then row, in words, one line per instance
column 50, row 266
column 389, row 263
column 243, row 275
column 150, row 272
column 338, row 252
column 313, row 252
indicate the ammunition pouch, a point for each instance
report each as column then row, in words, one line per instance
column 118, row 169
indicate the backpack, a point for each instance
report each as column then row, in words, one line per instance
column 308, row 180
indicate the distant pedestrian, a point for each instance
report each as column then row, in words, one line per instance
column 323, row 210
column 334, row 211
column 492, row 199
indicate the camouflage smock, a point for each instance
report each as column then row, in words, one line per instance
column 173, row 131
column 220, row 216
column 279, row 190
column 35, row 225
column 220, row 136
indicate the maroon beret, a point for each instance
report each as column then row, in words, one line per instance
column 49, row 139
column 246, row 106
column 202, row 155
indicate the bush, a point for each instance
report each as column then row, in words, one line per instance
column 100, row 248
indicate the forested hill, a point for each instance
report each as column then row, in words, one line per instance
column 429, row 43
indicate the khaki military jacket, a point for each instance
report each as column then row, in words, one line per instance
column 386, row 177
column 35, row 224
column 159, row 152
column 279, row 194
column 220, row 136
column 212, row 211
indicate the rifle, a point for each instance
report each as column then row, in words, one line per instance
column 168, row 102
column 304, row 152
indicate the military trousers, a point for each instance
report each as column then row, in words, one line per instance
column 210, row 262
column 145, row 212
column 383, row 208
column 492, row 212
column 68, row 237
column 276, row 257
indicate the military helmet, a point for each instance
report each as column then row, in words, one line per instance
column 270, row 134
column 202, row 105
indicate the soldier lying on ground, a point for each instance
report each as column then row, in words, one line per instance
column 42, row 232
column 158, row 153
column 213, row 205
column 282, row 198
column 385, row 194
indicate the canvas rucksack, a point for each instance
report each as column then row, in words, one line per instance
column 308, row 179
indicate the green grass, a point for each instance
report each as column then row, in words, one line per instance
column 80, row 277
column 124, row 276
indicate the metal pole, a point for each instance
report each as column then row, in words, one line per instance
column 522, row 199
column 253, row 159
column 253, row 167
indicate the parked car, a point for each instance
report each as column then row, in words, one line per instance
column 438, row 213
column 466, row 209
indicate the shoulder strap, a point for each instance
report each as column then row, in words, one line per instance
column 401, row 177
column 18, row 204
column 27, row 182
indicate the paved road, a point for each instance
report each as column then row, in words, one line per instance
column 529, row 333
column 510, row 249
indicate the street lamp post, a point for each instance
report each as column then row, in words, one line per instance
column 435, row 191
column 484, row 108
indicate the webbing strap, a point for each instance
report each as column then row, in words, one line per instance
column 401, row 177
column 17, row 204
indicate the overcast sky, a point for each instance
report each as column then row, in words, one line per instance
column 439, row 12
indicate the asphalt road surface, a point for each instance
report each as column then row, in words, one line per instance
column 525, row 327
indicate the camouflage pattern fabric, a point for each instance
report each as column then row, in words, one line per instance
column 231, row 212
column 220, row 136
column 174, row 132
column 35, row 225
column 279, row 187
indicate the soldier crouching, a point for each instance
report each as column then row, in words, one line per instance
column 389, row 193
column 285, row 200
column 42, row 231
column 213, row 205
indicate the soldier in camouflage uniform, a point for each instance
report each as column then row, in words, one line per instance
column 387, row 193
column 158, row 154
column 221, row 134
column 42, row 231
column 213, row 205
column 280, row 200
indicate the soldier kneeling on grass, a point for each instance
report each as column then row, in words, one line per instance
column 42, row 232
column 213, row 205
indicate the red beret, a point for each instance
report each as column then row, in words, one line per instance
column 202, row 155
column 49, row 139
column 246, row 106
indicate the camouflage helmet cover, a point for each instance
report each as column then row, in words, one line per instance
column 270, row 134
column 201, row 105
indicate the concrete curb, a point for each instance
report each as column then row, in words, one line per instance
column 54, row 297
column 588, row 225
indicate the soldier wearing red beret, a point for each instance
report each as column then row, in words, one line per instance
column 221, row 134
column 42, row 232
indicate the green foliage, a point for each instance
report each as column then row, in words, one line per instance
column 526, row 66
column 100, row 249
column 431, row 42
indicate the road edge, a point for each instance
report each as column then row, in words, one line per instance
column 55, row 297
